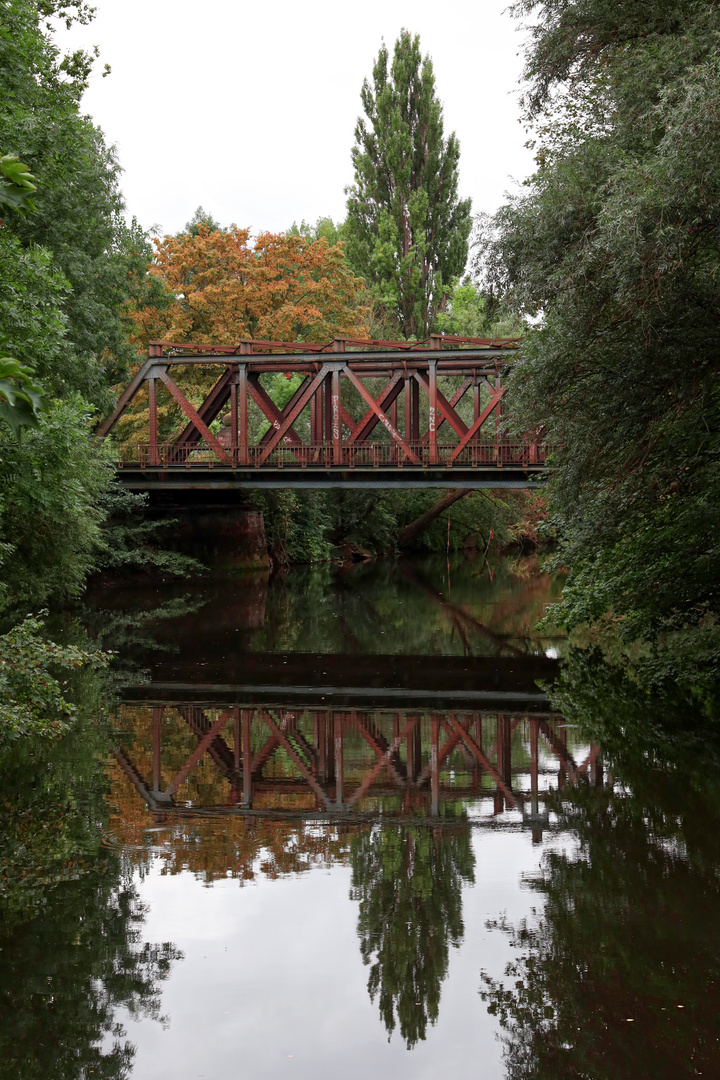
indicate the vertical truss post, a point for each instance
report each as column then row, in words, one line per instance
column 417, row 748
column 234, row 431
column 157, row 715
column 432, row 421
column 247, row 758
column 339, row 759
column 327, row 418
column 476, row 396
column 394, row 422
column 534, row 806
column 322, row 745
column 506, row 771
column 498, row 413
column 153, row 423
column 316, row 420
column 561, row 737
column 336, row 425
column 475, row 725
column 329, row 757
column 414, row 412
column 434, row 766
column 407, row 401
column 243, row 417
column 596, row 768
column 499, row 763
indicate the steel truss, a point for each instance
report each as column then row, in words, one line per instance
column 410, row 757
column 341, row 450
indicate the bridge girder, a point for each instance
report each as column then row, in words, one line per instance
column 314, row 440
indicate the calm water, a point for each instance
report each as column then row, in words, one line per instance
column 334, row 824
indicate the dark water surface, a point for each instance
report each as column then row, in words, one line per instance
column 336, row 826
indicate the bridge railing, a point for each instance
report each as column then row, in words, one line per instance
column 320, row 455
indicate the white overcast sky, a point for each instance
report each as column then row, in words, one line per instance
column 248, row 109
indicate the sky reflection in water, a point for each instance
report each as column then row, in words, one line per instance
column 351, row 902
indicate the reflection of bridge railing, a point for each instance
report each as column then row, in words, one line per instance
column 366, row 455
column 321, row 762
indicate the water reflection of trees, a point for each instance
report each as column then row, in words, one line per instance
column 408, row 882
column 619, row 973
column 71, row 951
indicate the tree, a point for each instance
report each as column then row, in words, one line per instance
column 407, row 230
column 72, row 958
column 51, row 484
column 621, row 930
column 21, row 398
column 614, row 244
column 470, row 311
column 216, row 286
column 79, row 208
column 408, row 883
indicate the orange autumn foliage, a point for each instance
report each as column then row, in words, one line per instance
column 217, row 287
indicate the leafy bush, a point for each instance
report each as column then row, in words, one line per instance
column 50, row 518
column 32, row 701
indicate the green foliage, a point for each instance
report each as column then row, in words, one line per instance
column 472, row 519
column 200, row 217
column 50, row 517
column 406, row 230
column 614, row 243
column 71, row 949
column 297, row 524
column 21, row 399
column 313, row 526
column 132, row 540
column 79, row 208
column 623, row 929
column 16, row 184
column 32, row 701
column 408, row 883
column 470, row 311
column 323, row 229
column 32, row 323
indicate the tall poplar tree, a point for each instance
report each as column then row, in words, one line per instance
column 407, row 231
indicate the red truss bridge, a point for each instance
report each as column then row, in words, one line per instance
column 356, row 413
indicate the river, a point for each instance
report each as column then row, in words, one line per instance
column 359, row 821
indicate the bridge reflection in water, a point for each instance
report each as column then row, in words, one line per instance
column 351, row 763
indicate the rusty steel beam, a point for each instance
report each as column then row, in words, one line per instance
column 209, row 410
column 472, row 431
column 387, row 396
column 393, row 432
column 193, row 416
column 444, row 408
column 292, row 415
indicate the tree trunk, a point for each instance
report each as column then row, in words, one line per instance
column 408, row 534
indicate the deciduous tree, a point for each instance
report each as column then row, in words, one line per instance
column 613, row 244
column 218, row 286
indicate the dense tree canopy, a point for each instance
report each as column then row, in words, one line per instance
column 408, row 883
column 79, row 206
column 614, row 244
column 407, row 231
column 219, row 286
column 616, row 972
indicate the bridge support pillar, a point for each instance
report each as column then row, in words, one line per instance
column 220, row 529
